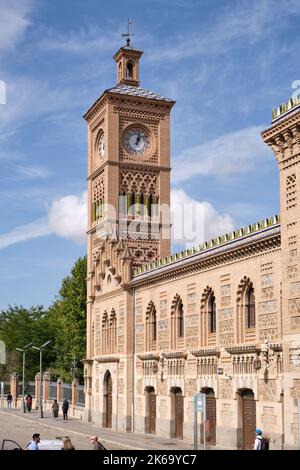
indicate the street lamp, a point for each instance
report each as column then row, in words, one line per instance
column 41, row 348
column 23, row 377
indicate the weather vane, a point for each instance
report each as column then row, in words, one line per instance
column 128, row 35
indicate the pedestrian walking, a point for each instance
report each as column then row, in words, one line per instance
column 261, row 443
column 28, row 402
column 9, row 400
column 65, row 408
column 55, row 409
column 67, row 444
column 97, row 444
column 34, row 444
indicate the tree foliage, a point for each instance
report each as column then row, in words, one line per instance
column 64, row 323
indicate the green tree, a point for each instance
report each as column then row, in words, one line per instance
column 69, row 314
column 20, row 326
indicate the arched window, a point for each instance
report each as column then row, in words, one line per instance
column 212, row 313
column 245, row 308
column 154, row 326
column 250, row 307
column 120, row 72
column 177, row 323
column 105, row 328
column 180, row 321
column 151, row 327
column 113, row 333
column 129, row 71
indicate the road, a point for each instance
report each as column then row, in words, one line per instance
column 20, row 429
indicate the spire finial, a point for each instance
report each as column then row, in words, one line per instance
column 128, row 35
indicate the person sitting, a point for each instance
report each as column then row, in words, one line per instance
column 34, row 444
column 67, row 444
column 97, row 444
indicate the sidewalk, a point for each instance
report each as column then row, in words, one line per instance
column 122, row 440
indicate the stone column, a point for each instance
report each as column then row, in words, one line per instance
column 46, row 383
column 59, row 389
column 37, row 390
column 14, row 382
column 74, row 395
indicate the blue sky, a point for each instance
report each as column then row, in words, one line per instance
column 226, row 63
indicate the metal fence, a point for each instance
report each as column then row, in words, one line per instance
column 28, row 389
column 67, row 392
column 53, row 390
column 80, row 395
column 6, row 388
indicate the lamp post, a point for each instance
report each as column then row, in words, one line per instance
column 23, row 376
column 41, row 348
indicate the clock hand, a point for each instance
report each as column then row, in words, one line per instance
column 138, row 138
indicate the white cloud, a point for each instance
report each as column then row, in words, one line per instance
column 83, row 41
column 243, row 21
column 236, row 152
column 194, row 221
column 14, row 22
column 36, row 229
column 32, row 172
column 68, row 217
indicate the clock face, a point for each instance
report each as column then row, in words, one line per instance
column 101, row 145
column 137, row 141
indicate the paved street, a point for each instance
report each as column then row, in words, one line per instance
column 20, row 427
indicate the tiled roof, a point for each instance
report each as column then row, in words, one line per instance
column 137, row 91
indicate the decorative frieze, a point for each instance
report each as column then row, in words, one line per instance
column 267, row 390
column 267, row 307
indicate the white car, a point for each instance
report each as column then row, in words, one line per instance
column 44, row 444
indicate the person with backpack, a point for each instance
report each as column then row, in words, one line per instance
column 261, row 443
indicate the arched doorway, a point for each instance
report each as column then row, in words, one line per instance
column 211, row 415
column 150, row 410
column 177, row 413
column 247, row 419
column 107, row 400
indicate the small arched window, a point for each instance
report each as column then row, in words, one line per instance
column 212, row 314
column 180, row 321
column 129, row 71
column 120, row 72
column 250, row 307
column 154, row 325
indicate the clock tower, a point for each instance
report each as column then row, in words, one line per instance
column 129, row 164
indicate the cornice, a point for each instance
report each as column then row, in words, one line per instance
column 174, row 354
column 205, row 352
column 232, row 251
column 105, row 359
column 125, row 165
column 148, row 357
column 243, row 349
column 114, row 98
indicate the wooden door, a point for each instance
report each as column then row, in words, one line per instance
column 109, row 403
column 152, row 413
column 211, row 420
column 178, row 415
column 249, row 422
